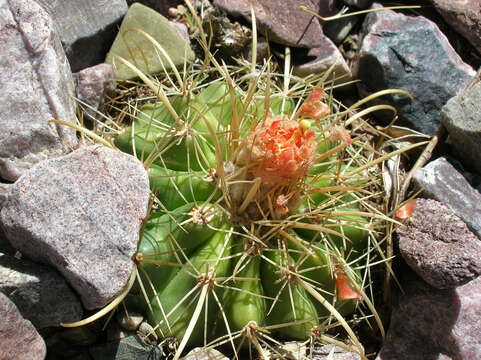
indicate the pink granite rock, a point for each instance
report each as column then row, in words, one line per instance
column 81, row 213
column 36, row 86
column 94, row 84
column 435, row 324
column 282, row 21
column 464, row 16
column 18, row 338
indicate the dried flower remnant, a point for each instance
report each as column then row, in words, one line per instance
column 278, row 151
column 281, row 204
column 313, row 107
column 344, row 290
column 339, row 133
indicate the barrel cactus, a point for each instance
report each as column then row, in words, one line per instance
column 266, row 215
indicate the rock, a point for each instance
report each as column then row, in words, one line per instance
column 131, row 347
column 324, row 58
column 438, row 246
column 87, row 28
column 39, row 292
column 338, row 30
column 464, row 16
column 115, row 332
column 292, row 350
column 93, row 85
column 442, row 182
column 360, row 4
column 130, row 320
column 160, row 6
column 181, row 29
column 462, row 118
column 5, row 246
column 4, row 188
column 281, row 21
column 332, row 352
column 394, row 55
column 435, row 324
column 18, row 336
column 81, row 213
column 146, row 57
column 36, row 86
column 204, row 354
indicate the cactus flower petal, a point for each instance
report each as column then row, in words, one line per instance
column 406, row 210
column 344, row 288
column 313, row 107
column 280, row 151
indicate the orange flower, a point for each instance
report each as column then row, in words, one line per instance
column 344, row 288
column 313, row 107
column 279, row 150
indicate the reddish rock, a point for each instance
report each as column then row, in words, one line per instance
column 435, row 324
column 464, row 16
column 324, row 58
column 282, row 21
column 18, row 338
column 441, row 181
column 438, row 246
column 81, row 213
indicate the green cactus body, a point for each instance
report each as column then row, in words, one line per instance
column 262, row 188
column 172, row 307
column 168, row 238
column 178, row 146
column 246, row 303
column 291, row 303
column 194, row 186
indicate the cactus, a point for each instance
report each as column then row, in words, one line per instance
column 264, row 222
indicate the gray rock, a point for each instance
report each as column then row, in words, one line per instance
column 204, row 354
column 280, row 21
column 441, row 181
column 462, row 118
column 131, row 347
column 435, row 324
column 39, row 292
column 94, row 84
column 87, row 28
column 438, row 246
column 81, row 213
column 4, row 188
column 134, row 47
column 18, row 336
column 394, row 54
column 464, row 16
column 5, row 246
column 338, row 30
column 324, row 58
column 36, row 86
column 332, row 352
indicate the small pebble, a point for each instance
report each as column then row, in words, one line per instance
column 129, row 320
